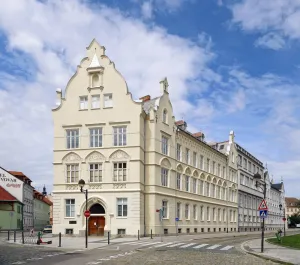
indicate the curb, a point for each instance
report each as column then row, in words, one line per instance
column 262, row 256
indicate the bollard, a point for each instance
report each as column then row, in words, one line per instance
column 138, row 234
column 108, row 237
column 15, row 235
column 23, row 237
column 59, row 240
column 8, row 235
column 151, row 234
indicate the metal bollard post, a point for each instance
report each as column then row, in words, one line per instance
column 151, row 234
column 59, row 240
column 8, row 235
column 138, row 234
column 108, row 237
column 23, row 237
column 15, row 235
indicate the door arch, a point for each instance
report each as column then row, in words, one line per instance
column 96, row 221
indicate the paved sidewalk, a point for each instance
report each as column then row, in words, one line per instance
column 272, row 251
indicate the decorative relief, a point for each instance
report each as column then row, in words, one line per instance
column 119, row 154
column 95, row 156
column 72, row 157
column 73, row 187
column 119, row 185
column 95, row 186
column 166, row 163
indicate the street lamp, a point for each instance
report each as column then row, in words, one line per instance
column 257, row 176
column 81, row 184
column 284, row 218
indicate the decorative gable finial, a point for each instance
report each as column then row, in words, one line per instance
column 266, row 166
column 164, row 85
column 95, row 61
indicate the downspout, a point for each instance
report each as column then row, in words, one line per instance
column 145, row 176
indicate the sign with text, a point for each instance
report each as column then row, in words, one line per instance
column 11, row 184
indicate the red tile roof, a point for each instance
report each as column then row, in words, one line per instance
column 198, row 134
column 40, row 197
column 290, row 201
column 181, row 122
column 6, row 196
column 19, row 175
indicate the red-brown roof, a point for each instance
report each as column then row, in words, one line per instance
column 197, row 134
column 19, row 174
column 42, row 198
column 290, row 201
column 6, row 196
column 181, row 122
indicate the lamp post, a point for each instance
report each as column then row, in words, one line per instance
column 257, row 176
column 81, row 184
column 284, row 218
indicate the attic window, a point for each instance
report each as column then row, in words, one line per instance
column 165, row 116
column 222, row 147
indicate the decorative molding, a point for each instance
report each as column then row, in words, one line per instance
column 166, row 163
column 119, row 122
column 95, row 124
column 95, row 187
column 73, row 187
column 119, row 185
column 72, row 157
column 71, row 125
column 95, row 156
column 96, row 87
column 119, row 155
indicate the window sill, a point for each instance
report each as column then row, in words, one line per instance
column 95, row 108
column 167, row 218
column 107, row 107
column 69, row 217
column 83, row 109
column 121, row 217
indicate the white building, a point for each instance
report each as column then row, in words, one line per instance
column 134, row 159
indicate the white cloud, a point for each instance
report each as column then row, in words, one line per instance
column 271, row 40
column 147, row 9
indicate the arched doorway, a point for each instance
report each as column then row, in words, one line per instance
column 97, row 220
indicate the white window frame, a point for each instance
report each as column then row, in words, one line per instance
column 187, row 156
column 119, row 135
column 164, row 208
column 164, row 177
column 195, row 212
column 187, row 211
column 187, row 183
column 178, row 210
column 194, row 185
column 95, row 104
column 72, row 137
column 120, row 171
column 195, row 159
column 179, row 152
column 107, row 100
column 178, row 181
column 208, row 214
column 201, row 162
column 83, row 102
column 123, row 203
column 93, row 171
column 71, row 171
column 96, row 137
column 71, row 204
column 165, row 145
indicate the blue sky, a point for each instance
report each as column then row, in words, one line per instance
column 231, row 65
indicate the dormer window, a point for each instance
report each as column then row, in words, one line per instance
column 165, row 116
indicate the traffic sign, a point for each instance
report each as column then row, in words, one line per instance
column 87, row 214
column 284, row 219
column 176, row 219
column 263, row 213
column 263, row 205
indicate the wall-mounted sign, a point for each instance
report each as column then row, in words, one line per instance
column 12, row 184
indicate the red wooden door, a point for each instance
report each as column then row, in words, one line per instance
column 96, row 225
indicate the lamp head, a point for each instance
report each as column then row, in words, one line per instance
column 81, row 184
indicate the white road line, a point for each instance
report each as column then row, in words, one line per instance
column 19, row 262
column 175, row 245
column 227, row 248
column 165, row 244
column 132, row 243
column 213, row 247
column 152, row 243
column 200, row 246
column 188, row 245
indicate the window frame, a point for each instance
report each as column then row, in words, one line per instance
column 123, row 208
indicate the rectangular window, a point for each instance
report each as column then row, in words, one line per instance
column 95, row 137
column 223, row 173
column 120, row 136
column 201, row 213
column 239, row 160
column 194, row 185
column 122, row 207
column 214, row 214
column 201, row 162
column 187, row 211
column 219, row 214
column 164, row 209
column 208, row 214
column 195, row 212
column 214, row 167
column 83, row 102
column 187, row 155
column 253, row 169
column 245, row 163
column 187, row 183
column 108, row 103
column 120, row 171
column 208, row 165
column 73, row 173
column 164, row 145
column 95, row 172
column 70, row 207
column 201, row 186
column 178, row 182
column 194, row 159
column 219, row 170
column 73, row 138
column 249, row 166
column 178, row 210
column 178, row 152
column 95, row 101
column 164, row 177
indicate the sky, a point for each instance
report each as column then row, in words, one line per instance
column 230, row 64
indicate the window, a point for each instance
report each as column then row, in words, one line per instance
column 95, row 172
column 242, row 181
column 121, row 231
column 218, row 195
column 164, row 145
column 223, row 173
column 178, row 210
column 219, row 214
column 201, row 162
column 214, row 214
column 120, row 171
column 219, row 170
column 120, row 138
column 178, row 182
column 245, row 163
column 187, row 211
column 73, row 173
column 164, row 209
column 83, row 102
column 122, row 207
column 164, row 177
column 214, row 167
column 108, row 103
column 201, row 213
column 95, row 137
column 187, row 183
column 95, row 80
column 195, row 212
column 95, row 101
column 208, row 165
column 194, row 185
column 249, row 166
column 187, row 155
column 165, row 116
column 208, row 214
column 201, row 185
column 194, row 159
column 70, row 207
column 72, row 138
column 224, row 215
column 178, row 152
column 207, row 189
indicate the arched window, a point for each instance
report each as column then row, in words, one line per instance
column 165, row 116
column 95, row 81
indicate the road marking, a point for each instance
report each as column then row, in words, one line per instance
column 19, row 262
column 214, row 247
column 152, row 243
column 165, row 244
column 200, row 246
column 175, row 245
column 227, row 248
column 95, row 262
column 132, row 243
column 188, row 245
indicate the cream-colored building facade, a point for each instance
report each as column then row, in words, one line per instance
column 135, row 159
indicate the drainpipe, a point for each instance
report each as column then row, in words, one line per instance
column 145, row 177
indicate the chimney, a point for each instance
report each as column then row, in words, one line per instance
column 199, row 135
column 181, row 124
column 58, row 96
column 145, row 98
